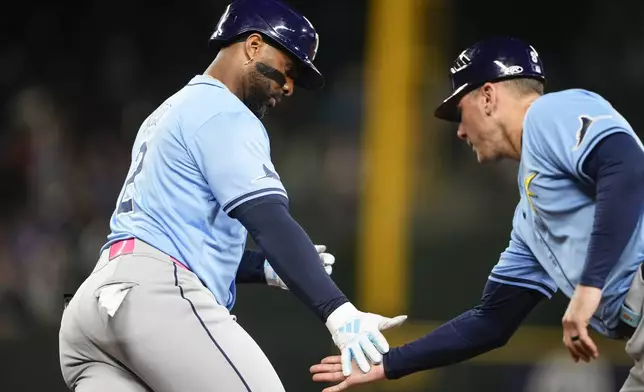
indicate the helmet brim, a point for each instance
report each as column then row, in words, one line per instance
column 448, row 109
column 309, row 77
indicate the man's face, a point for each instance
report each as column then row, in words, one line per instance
column 478, row 126
column 269, row 77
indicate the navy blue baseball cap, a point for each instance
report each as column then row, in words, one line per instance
column 280, row 23
column 492, row 60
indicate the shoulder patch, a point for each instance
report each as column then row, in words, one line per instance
column 585, row 123
column 268, row 173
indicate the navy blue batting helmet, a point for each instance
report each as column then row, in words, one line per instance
column 281, row 24
column 493, row 60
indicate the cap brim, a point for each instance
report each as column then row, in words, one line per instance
column 448, row 110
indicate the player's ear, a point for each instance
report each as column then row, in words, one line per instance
column 253, row 45
column 488, row 94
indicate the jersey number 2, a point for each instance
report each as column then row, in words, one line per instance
column 127, row 204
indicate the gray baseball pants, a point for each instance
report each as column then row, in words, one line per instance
column 141, row 322
column 635, row 344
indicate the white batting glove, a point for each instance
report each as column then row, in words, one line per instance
column 327, row 260
column 357, row 335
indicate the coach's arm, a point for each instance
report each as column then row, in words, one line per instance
column 486, row 327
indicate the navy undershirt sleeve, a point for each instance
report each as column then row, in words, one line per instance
column 488, row 326
column 290, row 252
column 251, row 268
column 616, row 165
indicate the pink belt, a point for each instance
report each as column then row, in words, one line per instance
column 126, row 247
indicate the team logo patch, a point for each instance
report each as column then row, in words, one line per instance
column 268, row 173
column 585, row 123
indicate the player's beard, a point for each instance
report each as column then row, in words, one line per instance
column 258, row 93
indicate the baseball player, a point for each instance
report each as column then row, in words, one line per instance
column 577, row 228
column 155, row 312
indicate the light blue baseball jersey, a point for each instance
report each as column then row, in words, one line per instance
column 554, row 219
column 195, row 158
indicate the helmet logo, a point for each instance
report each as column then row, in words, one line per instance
column 461, row 62
column 282, row 27
column 511, row 70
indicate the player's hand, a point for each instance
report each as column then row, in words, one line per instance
column 272, row 279
column 357, row 335
column 581, row 308
column 330, row 371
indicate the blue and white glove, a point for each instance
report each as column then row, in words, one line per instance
column 357, row 335
column 327, row 260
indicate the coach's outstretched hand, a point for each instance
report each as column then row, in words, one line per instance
column 357, row 335
column 330, row 371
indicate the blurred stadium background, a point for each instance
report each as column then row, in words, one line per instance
column 414, row 222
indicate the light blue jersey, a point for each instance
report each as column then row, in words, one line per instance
column 195, row 158
column 554, row 219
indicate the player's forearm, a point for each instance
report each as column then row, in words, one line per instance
column 482, row 329
column 251, row 268
column 617, row 167
column 292, row 255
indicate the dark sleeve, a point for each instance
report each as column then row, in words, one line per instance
column 290, row 252
column 616, row 165
column 486, row 327
column 251, row 268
